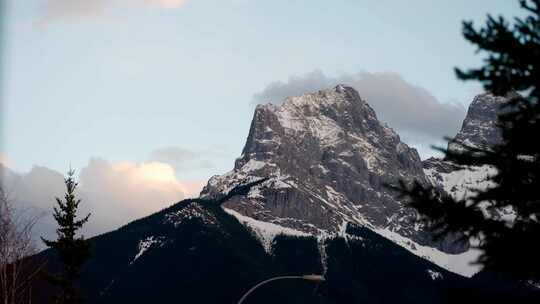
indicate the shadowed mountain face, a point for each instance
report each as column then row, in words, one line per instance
column 195, row 252
column 328, row 160
column 479, row 128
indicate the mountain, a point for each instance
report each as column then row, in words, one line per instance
column 195, row 252
column 479, row 126
column 479, row 130
column 326, row 156
column 307, row 195
column 328, row 160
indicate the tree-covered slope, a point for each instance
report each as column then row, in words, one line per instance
column 195, row 252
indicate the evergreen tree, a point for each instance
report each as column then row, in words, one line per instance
column 72, row 250
column 512, row 68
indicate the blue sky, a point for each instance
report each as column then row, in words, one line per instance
column 120, row 79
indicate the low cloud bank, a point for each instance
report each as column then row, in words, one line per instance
column 114, row 192
column 54, row 10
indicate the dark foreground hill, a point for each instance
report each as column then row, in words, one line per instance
column 195, row 252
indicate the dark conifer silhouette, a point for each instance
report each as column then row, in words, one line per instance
column 72, row 250
column 511, row 68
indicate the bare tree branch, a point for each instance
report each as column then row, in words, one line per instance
column 16, row 245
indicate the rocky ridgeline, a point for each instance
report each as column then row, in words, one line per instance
column 328, row 159
column 479, row 129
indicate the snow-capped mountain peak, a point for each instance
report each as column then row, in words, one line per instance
column 328, row 160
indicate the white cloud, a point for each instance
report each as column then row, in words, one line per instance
column 170, row 4
column 416, row 114
column 114, row 192
column 53, row 10
column 4, row 160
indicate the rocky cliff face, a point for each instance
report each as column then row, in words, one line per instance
column 479, row 130
column 479, row 126
column 328, row 160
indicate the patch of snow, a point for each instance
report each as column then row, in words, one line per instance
column 435, row 275
column 193, row 210
column 346, row 154
column 313, row 194
column 145, row 244
column 253, row 165
column 527, row 158
column 322, row 239
column 534, row 284
column 265, row 232
column 333, row 195
column 461, row 184
column 255, row 192
column 457, row 263
column 343, row 229
column 281, row 182
column 323, row 169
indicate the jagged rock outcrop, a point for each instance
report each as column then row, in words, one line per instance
column 479, row 127
column 479, row 130
column 328, row 160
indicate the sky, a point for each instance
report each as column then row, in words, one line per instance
column 162, row 92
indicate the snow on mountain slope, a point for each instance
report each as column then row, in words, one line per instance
column 461, row 263
column 265, row 232
column 461, row 183
column 458, row 263
column 146, row 244
column 328, row 160
column 478, row 130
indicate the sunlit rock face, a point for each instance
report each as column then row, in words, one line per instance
column 328, row 160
